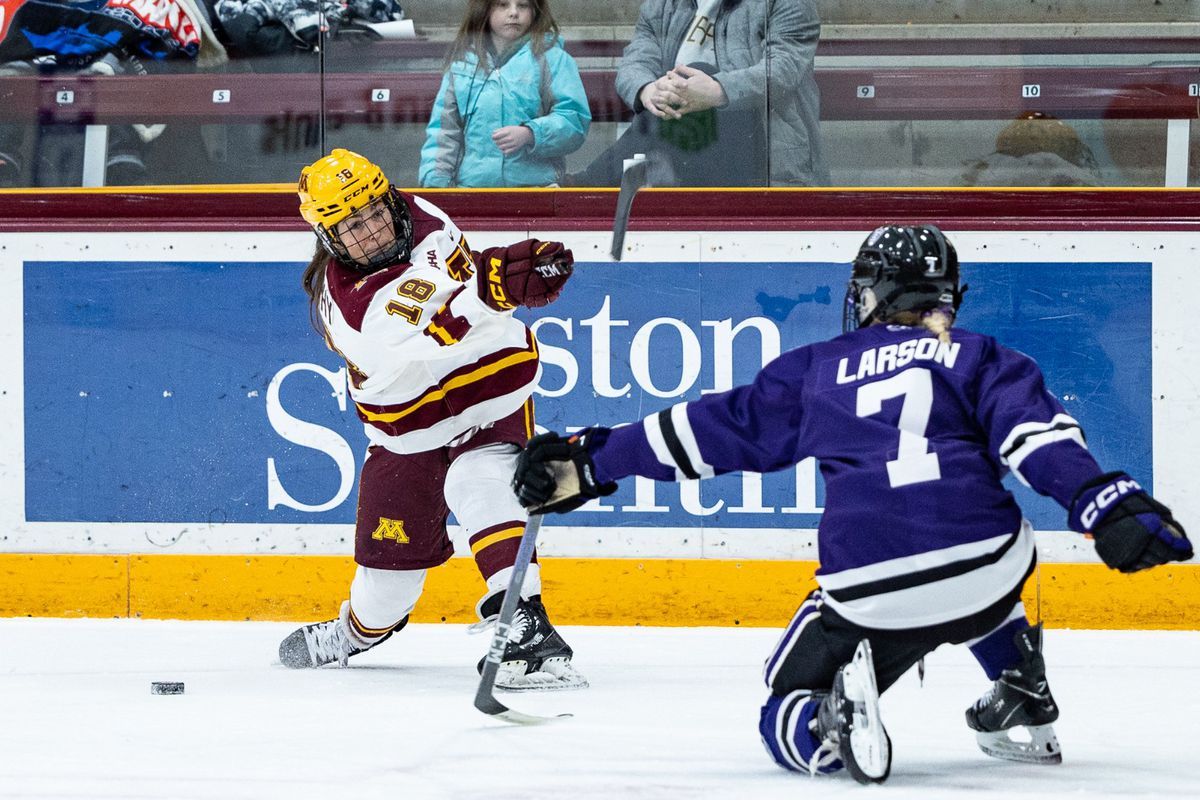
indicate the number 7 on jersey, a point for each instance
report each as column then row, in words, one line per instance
column 913, row 463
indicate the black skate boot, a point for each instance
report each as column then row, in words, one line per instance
column 849, row 725
column 536, row 656
column 323, row 643
column 1020, row 698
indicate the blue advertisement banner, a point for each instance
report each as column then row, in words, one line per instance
column 197, row 392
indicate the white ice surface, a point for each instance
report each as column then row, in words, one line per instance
column 671, row 713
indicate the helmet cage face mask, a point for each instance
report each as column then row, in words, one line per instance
column 901, row 268
column 338, row 239
column 344, row 184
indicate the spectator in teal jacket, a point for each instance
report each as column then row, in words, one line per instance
column 511, row 105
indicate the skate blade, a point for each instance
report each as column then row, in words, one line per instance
column 869, row 759
column 1041, row 747
column 555, row 675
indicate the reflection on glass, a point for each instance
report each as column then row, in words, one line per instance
column 1036, row 150
column 714, row 92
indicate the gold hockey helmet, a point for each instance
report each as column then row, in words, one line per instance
column 339, row 186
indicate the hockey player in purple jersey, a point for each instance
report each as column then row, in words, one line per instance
column 914, row 425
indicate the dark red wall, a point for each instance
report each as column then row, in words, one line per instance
column 655, row 209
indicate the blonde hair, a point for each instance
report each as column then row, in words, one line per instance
column 937, row 321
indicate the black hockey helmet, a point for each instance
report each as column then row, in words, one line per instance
column 902, row 268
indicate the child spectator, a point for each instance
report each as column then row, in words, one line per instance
column 511, row 105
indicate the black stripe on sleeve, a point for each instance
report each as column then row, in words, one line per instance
column 1019, row 442
column 674, row 446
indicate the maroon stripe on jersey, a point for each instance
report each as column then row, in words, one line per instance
column 453, row 377
column 352, row 291
column 495, row 375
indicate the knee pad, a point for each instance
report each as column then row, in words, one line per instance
column 381, row 598
column 783, row 725
column 479, row 487
column 479, row 492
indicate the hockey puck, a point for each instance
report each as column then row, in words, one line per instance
column 166, row 687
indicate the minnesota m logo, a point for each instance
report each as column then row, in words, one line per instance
column 390, row 529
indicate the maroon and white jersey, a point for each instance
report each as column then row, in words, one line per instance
column 428, row 361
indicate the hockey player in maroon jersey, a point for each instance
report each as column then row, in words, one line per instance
column 914, row 425
column 442, row 375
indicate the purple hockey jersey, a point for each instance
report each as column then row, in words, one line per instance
column 913, row 436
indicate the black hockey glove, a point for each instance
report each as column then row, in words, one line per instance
column 557, row 474
column 1133, row 531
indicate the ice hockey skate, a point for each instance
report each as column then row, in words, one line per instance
column 849, row 725
column 324, row 643
column 536, row 657
column 1019, row 703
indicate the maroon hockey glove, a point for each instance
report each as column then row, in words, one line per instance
column 555, row 473
column 528, row 273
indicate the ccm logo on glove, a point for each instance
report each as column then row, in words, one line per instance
column 1105, row 498
column 499, row 299
column 528, row 273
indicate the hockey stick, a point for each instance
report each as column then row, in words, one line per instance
column 485, row 697
column 633, row 178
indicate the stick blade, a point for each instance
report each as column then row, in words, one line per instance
column 632, row 179
column 485, row 695
column 521, row 718
column 488, row 704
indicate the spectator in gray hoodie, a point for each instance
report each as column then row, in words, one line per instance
column 723, row 94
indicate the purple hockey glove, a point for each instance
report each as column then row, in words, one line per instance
column 1133, row 531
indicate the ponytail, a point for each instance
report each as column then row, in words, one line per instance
column 313, row 281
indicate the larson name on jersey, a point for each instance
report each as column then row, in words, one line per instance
column 891, row 357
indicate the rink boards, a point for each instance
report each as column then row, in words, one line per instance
column 181, row 443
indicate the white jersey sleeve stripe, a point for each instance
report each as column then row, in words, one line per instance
column 1011, row 442
column 1027, row 437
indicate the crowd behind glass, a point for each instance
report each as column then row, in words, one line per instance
column 712, row 92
